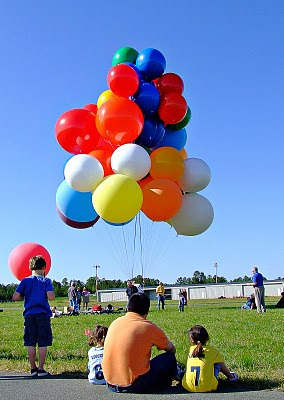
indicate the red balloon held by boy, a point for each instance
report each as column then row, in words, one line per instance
column 20, row 256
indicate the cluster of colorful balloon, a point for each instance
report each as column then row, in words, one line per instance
column 129, row 151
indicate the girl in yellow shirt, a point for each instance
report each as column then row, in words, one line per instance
column 204, row 363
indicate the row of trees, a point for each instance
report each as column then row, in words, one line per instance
column 61, row 288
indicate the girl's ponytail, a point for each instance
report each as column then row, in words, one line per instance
column 198, row 335
column 198, row 351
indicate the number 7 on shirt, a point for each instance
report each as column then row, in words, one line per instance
column 197, row 375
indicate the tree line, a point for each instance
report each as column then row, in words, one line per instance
column 61, row 288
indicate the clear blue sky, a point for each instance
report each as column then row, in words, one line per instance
column 55, row 56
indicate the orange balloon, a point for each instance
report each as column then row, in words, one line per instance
column 104, row 157
column 184, row 153
column 162, row 199
column 144, row 181
column 166, row 162
column 119, row 121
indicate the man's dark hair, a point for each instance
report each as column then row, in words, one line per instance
column 37, row 262
column 139, row 303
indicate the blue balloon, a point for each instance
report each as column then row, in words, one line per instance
column 136, row 69
column 151, row 63
column 147, row 98
column 76, row 206
column 176, row 139
column 119, row 224
column 153, row 131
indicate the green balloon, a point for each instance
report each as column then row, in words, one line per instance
column 149, row 151
column 124, row 54
column 182, row 123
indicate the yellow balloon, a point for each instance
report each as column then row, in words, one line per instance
column 117, row 199
column 105, row 96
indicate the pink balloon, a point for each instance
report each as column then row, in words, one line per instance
column 20, row 256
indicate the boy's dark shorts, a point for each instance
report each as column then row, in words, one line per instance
column 37, row 330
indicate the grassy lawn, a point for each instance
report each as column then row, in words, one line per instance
column 252, row 344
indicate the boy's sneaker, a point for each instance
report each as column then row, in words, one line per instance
column 180, row 372
column 34, row 372
column 234, row 378
column 42, row 372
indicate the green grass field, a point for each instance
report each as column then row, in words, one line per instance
column 252, row 344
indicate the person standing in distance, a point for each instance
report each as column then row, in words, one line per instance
column 160, row 292
column 130, row 290
column 36, row 290
column 72, row 296
column 257, row 283
column 127, row 351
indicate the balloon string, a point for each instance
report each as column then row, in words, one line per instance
column 125, row 246
column 141, row 249
column 134, row 245
column 116, row 254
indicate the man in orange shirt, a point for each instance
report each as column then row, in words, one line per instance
column 127, row 351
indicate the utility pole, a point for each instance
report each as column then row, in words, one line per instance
column 97, row 266
column 216, row 276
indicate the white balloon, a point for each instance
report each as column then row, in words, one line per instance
column 132, row 160
column 196, row 175
column 195, row 215
column 83, row 172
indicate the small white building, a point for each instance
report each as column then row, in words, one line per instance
column 200, row 291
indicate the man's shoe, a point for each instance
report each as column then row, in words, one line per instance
column 42, row 372
column 34, row 372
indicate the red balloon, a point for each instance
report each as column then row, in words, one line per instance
column 172, row 108
column 119, row 121
column 91, row 107
column 143, row 182
column 104, row 145
column 76, row 131
column 170, row 82
column 104, row 157
column 123, row 80
column 20, row 256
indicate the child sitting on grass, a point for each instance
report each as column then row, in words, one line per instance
column 203, row 364
column 95, row 355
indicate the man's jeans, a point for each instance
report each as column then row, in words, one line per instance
column 163, row 369
column 74, row 304
column 161, row 299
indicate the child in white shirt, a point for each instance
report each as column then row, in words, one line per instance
column 95, row 355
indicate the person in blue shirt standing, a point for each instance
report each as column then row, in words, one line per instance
column 257, row 283
column 36, row 290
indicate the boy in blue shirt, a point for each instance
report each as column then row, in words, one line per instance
column 36, row 290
